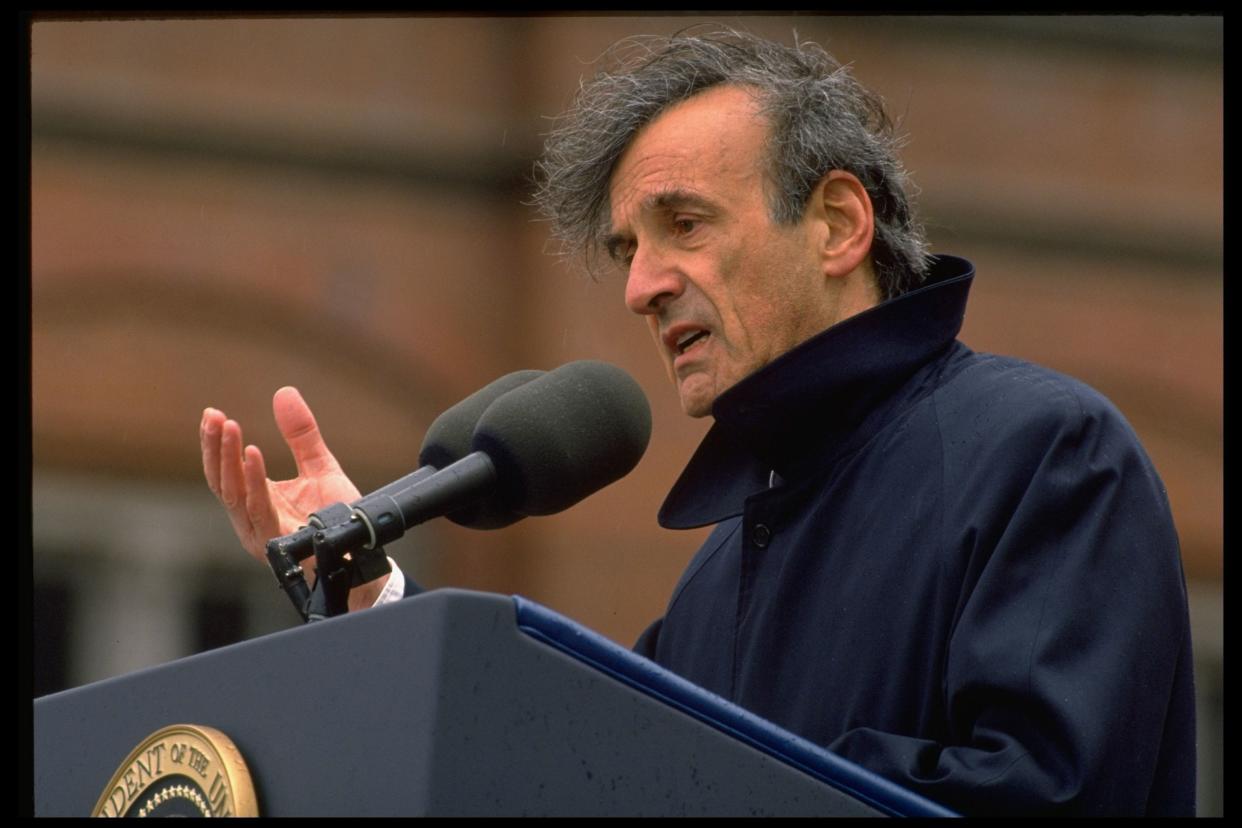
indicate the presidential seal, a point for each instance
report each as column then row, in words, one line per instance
column 182, row 770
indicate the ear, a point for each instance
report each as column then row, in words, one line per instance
column 846, row 222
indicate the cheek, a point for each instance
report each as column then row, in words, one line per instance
column 653, row 327
column 754, row 313
column 761, row 333
column 765, row 325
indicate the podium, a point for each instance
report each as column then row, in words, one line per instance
column 454, row 703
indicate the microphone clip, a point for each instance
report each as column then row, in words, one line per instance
column 335, row 536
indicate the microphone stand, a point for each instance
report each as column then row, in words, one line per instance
column 347, row 540
column 341, row 562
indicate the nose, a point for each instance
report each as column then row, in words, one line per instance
column 654, row 280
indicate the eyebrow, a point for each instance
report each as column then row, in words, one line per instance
column 675, row 197
column 672, row 198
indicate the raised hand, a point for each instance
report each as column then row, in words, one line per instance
column 261, row 509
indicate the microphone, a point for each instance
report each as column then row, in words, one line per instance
column 537, row 450
column 447, row 440
column 565, row 436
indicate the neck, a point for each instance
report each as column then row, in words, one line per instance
column 857, row 291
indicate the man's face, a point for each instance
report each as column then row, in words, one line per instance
column 724, row 289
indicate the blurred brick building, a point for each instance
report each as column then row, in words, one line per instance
column 224, row 206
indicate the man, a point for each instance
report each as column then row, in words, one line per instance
column 957, row 570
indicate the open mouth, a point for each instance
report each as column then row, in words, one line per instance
column 686, row 342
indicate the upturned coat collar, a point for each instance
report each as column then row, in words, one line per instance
column 818, row 399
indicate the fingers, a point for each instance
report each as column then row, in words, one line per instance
column 222, row 463
column 301, row 432
column 258, row 503
column 232, row 481
column 232, row 487
column 258, row 508
column 209, row 438
column 238, row 478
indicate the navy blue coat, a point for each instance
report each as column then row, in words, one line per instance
column 956, row 569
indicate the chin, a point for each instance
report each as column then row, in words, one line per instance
column 697, row 393
column 697, row 405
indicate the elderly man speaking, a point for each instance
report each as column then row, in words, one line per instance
column 955, row 569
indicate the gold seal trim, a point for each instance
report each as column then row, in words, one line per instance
column 191, row 765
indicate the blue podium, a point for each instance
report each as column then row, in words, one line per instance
column 455, row 703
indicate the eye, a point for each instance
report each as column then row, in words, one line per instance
column 621, row 252
column 684, row 225
column 625, row 255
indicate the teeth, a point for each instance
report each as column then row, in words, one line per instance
column 688, row 340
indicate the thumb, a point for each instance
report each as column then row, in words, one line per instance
column 297, row 425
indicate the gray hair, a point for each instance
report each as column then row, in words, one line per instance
column 820, row 119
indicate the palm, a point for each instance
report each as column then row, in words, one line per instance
column 293, row 500
column 261, row 509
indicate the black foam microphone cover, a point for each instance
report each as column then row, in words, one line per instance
column 563, row 436
column 449, row 439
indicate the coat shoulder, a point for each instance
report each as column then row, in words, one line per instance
column 1000, row 398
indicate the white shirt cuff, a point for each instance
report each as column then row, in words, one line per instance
column 394, row 590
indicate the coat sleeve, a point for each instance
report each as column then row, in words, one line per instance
column 646, row 644
column 1067, row 675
